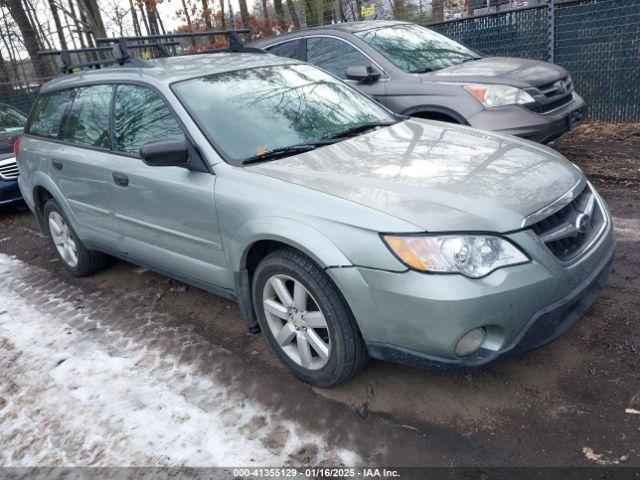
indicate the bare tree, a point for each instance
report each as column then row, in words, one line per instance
column 29, row 36
column 134, row 18
column 293, row 14
column 244, row 13
column 277, row 6
column 185, row 9
column 438, row 10
column 58, row 24
column 265, row 16
column 222, row 14
column 206, row 13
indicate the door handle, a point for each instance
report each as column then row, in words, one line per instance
column 120, row 179
column 57, row 165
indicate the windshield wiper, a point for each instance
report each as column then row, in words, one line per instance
column 281, row 152
column 350, row 132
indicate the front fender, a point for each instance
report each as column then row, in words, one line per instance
column 291, row 232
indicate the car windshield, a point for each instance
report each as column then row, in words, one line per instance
column 11, row 119
column 416, row 49
column 248, row 113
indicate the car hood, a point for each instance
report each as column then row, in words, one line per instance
column 518, row 72
column 437, row 176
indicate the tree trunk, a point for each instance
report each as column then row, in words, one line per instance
column 244, row 13
column 186, row 14
column 438, row 10
column 144, row 17
column 277, row 6
column 29, row 36
column 224, row 23
column 153, row 20
column 76, row 21
column 58, row 24
column 293, row 14
column 159, row 20
column 206, row 13
column 136, row 22
column 265, row 16
column 96, row 18
column 327, row 11
column 310, row 13
column 86, row 26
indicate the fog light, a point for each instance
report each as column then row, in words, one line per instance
column 470, row 342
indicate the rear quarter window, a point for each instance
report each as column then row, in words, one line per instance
column 286, row 49
column 48, row 112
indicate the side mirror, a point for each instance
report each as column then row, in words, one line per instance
column 165, row 153
column 363, row 74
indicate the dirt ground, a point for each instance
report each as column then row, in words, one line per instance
column 570, row 403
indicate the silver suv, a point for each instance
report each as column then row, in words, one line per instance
column 342, row 230
column 418, row 72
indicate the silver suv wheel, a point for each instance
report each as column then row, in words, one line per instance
column 62, row 239
column 296, row 322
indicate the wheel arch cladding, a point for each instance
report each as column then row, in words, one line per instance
column 264, row 236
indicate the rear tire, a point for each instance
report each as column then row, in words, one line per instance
column 72, row 253
column 311, row 330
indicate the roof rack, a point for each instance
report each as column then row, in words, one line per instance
column 125, row 44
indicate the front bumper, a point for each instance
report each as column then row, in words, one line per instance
column 9, row 192
column 539, row 127
column 417, row 319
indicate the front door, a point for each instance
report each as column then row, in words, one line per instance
column 167, row 214
column 335, row 55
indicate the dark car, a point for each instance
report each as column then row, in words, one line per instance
column 12, row 122
column 418, row 72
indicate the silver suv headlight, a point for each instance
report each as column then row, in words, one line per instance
column 499, row 95
column 471, row 255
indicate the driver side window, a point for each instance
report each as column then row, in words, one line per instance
column 141, row 116
column 334, row 55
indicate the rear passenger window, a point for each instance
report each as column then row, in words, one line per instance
column 141, row 116
column 88, row 120
column 286, row 49
column 48, row 112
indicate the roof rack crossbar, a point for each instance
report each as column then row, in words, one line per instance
column 171, row 36
column 161, row 42
column 65, row 58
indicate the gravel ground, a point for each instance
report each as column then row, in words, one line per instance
column 570, row 403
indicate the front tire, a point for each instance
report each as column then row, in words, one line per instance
column 73, row 254
column 305, row 319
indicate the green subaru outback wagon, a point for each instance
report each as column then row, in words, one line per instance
column 342, row 230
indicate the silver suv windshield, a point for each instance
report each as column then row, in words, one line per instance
column 250, row 113
column 416, row 49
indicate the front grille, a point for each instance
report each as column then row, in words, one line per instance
column 8, row 169
column 570, row 230
column 557, row 88
column 548, row 107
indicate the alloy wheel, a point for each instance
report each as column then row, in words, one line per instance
column 63, row 240
column 296, row 322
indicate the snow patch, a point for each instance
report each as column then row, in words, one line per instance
column 75, row 396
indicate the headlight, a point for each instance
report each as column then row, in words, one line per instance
column 472, row 255
column 498, row 95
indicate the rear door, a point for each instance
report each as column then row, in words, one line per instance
column 80, row 169
column 167, row 214
column 73, row 128
column 335, row 55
